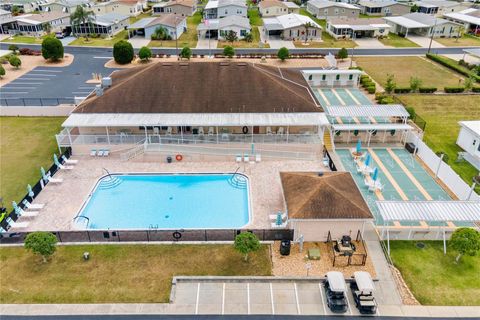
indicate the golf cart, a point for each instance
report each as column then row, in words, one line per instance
column 335, row 290
column 362, row 288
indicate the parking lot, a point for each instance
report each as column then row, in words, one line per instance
column 255, row 297
column 50, row 86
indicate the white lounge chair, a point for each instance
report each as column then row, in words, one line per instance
column 32, row 206
column 100, row 153
column 281, row 131
column 17, row 225
column 169, row 131
column 156, row 130
column 326, row 162
column 69, row 161
column 93, row 152
column 64, row 167
column 269, row 130
column 283, row 225
column 211, row 131
column 273, row 217
column 246, row 158
column 258, row 157
column 29, row 214
column 200, row 131
column 238, row 158
column 106, row 152
column 49, row 178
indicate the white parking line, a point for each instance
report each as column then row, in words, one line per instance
column 16, row 88
column 248, row 298
column 271, row 298
column 198, row 298
column 223, row 299
column 102, row 57
column 42, row 75
column 22, row 83
column 348, row 304
column 14, row 92
column 38, row 70
column 296, row 298
column 78, row 92
column 42, row 79
column 86, row 88
column 323, row 300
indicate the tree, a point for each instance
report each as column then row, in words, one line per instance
column 186, row 53
column 414, row 8
column 228, row 51
column 82, row 17
column 160, row 33
column 145, row 53
column 248, row 37
column 390, row 85
column 13, row 47
column 465, row 241
column 231, row 36
column 15, row 61
column 245, row 243
column 42, row 243
column 47, row 27
column 2, row 71
column 123, row 52
column 307, row 26
column 342, row 53
column 283, row 53
column 52, row 49
column 460, row 32
column 415, row 83
column 15, row 11
column 468, row 84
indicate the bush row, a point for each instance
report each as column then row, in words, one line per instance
column 452, row 65
column 29, row 52
column 454, row 89
column 368, row 83
column 476, row 89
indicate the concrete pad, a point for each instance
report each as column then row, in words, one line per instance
column 309, row 296
column 278, row 43
column 236, row 286
column 390, row 310
column 183, row 308
column 415, row 311
column 467, row 311
column 441, row 311
column 284, row 308
column 258, row 308
column 215, row 308
column 424, row 42
column 259, row 286
column 283, row 286
column 203, row 43
column 235, row 308
column 210, row 297
column 310, row 286
column 186, row 296
column 284, row 296
column 236, row 296
column 211, row 286
column 311, row 309
column 364, row 43
column 138, row 42
column 260, row 296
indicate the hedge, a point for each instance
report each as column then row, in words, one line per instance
column 453, row 65
column 371, row 89
column 402, row 90
column 454, row 89
column 476, row 89
column 427, row 90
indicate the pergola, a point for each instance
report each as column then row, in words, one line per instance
column 428, row 211
column 369, row 118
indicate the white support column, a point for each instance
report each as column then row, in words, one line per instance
column 108, row 135
column 252, row 135
column 388, row 241
column 69, row 137
column 288, row 129
column 444, row 242
column 181, row 133
column 439, row 165
column 384, row 136
column 146, row 134
column 217, row 133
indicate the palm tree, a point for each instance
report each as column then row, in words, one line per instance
column 307, row 27
column 47, row 27
column 82, row 16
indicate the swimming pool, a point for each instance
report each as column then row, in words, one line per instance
column 167, row 201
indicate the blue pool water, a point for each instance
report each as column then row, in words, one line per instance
column 166, row 201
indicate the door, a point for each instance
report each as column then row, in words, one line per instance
column 256, row 130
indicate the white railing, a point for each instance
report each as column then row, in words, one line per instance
column 134, row 152
column 442, row 170
column 64, row 139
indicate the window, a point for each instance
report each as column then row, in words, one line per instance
column 243, row 33
column 336, row 11
column 337, row 77
column 324, row 77
column 310, row 77
column 350, row 77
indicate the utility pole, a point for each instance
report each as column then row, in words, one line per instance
column 431, row 37
column 354, row 35
column 176, row 38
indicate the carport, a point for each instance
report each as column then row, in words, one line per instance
column 403, row 25
column 138, row 28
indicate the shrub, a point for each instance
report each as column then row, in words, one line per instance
column 42, row 243
column 13, row 47
column 2, row 71
column 371, row 89
column 402, row 90
column 453, row 65
column 415, row 83
column 123, row 52
column 475, row 89
column 145, row 53
column 356, row 68
column 411, row 112
column 386, row 100
column 427, row 90
column 52, row 49
column 228, row 51
column 342, row 53
column 245, row 243
column 390, row 85
column 186, row 53
column 453, row 89
column 15, row 61
column 465, row 241
column 283, row 53
column 25, row 51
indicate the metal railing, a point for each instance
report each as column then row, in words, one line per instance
column 35, row 102
column 134, row 152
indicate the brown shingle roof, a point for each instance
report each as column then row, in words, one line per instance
column 203, row 87
column 169, row 19
column 334, row 195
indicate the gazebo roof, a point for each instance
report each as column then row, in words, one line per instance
column 391, row 110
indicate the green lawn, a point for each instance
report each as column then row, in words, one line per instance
column 117, row 273
column 24, row 39
column 465, row 41
column 433, row 277
column 187, row 39
column 243, row 44
column 442, row 113
column 254, row 16
column 396, row 41
column 366, row 16
column 100, row 42
column 431, row 74
column 26, row 144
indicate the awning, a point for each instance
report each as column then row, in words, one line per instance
column 371, row 126
column 195, row 119
column 381, row 110
column 336, row 281
column 406, row 23
column 467, row 211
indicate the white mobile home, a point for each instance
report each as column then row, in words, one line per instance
column 469, row 140
column 332, row 78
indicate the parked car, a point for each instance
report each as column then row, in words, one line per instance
column 59, row 35
column 362, row 287
column 335, row 290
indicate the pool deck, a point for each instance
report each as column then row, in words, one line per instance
column 64, row 200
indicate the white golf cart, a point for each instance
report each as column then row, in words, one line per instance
column 335, row 290
column 362, row 289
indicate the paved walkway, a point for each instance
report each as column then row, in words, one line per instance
column 424, row 42
column 369, row 43
column 202, row 43
column 138, row 42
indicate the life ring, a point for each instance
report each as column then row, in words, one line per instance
column 245, row 129
column 176, row 235
column 179, row 157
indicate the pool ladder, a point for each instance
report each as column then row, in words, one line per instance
column 237, row 180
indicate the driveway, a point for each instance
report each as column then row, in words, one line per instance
column 67, row 40
column 424, row 42
column 138, row 42
column 203, row 43
column 369, row 43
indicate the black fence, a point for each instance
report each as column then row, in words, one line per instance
column 356, row 258
column 152, row 235
column 420, row 122
column 37, row 188
column 331, row 164
column 35, row 102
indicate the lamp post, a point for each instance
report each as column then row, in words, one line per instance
column 353, row 49
column 431, row 37
column 176, row 38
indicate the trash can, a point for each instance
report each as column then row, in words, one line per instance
column 169, row 159
column 285, row 247
column 410, row 147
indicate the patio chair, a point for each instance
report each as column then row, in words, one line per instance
column 281, row 131
column 32, row 206
column 106, row 152
column 17, row 225
column 169, row 131
column 100, row 153
column 93, row 152
column 49, row 178
column 238, row 158
column 258, row 157
column 326, row 161
column 273, row 217
column 283, row 225
column 69, row 161
column 200, row 131
column 211, row 131
column 246, row 158
column 156, row 130
column 269, row 130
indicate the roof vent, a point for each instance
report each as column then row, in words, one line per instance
column 106, row 82
column 98, row 90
